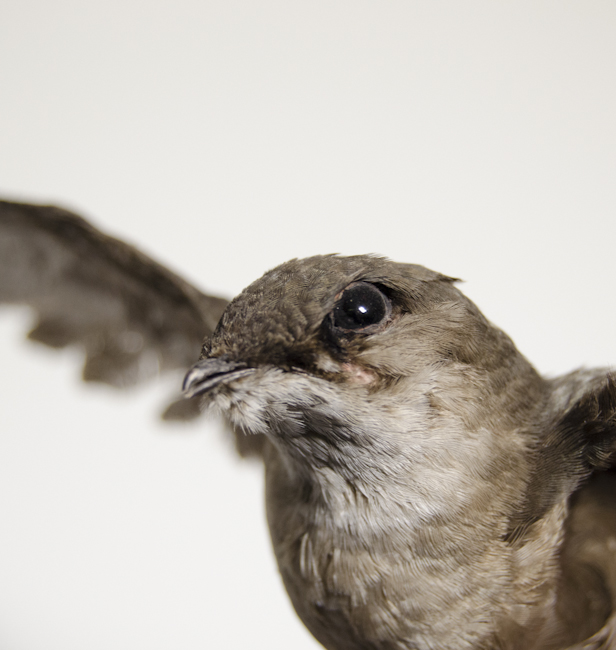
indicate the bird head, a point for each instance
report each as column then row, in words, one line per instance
column 340, row 360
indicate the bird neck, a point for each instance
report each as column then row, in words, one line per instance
column 412, row 539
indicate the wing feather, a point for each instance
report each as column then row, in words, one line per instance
column 132, row 317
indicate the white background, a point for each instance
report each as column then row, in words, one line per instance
column 476, row 138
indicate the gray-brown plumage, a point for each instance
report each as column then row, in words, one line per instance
column 132, row 317
column 426, row 488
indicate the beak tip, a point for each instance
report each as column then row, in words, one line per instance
column 208, row 373
column 188, row 385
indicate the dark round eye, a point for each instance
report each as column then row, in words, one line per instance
column 360, row 305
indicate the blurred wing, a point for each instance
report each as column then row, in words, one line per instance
column 132, row 317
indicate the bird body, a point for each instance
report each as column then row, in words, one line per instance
column 400, row 459
column 426, row 488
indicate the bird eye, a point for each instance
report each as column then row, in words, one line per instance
column 360, row 306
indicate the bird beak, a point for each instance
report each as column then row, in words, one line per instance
column 208, row 373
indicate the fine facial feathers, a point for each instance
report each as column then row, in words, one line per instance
column 426, row 488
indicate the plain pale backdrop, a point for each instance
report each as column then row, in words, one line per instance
column 476, row 138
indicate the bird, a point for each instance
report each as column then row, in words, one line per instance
column 426, row 487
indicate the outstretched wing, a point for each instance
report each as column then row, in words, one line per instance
column 132, row 317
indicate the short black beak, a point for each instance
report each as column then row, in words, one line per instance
column 207, row 373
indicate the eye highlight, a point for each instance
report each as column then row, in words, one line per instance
column 360, row 306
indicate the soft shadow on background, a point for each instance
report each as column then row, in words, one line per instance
column 476, row 138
